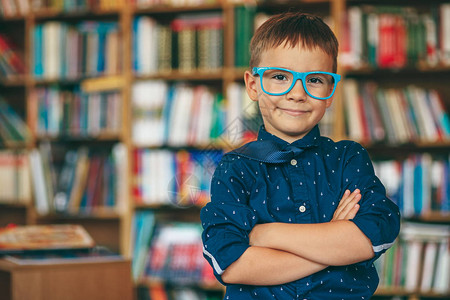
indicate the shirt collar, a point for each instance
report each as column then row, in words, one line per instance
column 311, row 139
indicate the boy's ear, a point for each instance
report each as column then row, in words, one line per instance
column 329, row 101
column 251, row 85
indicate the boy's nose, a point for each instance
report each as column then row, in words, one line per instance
column 297, row 92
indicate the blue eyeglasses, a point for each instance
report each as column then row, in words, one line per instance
column 279, row 81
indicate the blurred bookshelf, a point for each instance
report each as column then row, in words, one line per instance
column 111, row 91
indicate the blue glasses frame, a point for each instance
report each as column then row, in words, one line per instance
column 297, row 75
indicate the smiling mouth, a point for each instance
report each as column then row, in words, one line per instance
column 293, row 112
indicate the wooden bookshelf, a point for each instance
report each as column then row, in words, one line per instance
column 103, row 222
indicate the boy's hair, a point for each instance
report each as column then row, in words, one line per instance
column 293, row 28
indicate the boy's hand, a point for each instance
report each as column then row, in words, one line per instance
column 348, row 206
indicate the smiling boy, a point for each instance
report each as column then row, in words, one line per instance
column 282, row 223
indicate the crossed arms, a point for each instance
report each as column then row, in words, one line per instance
column 282, row 253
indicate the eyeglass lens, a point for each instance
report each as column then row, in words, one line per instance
column 279, row 82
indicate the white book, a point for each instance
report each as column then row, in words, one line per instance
column 52, row 53
column 7, row 176
column 147, row 178
column 147, row 44
column 24, row 178
column 234, row 125
column 120, row 154
column 148, row 99
column 352, row 111
column 442, row 277
column 204, row 117
column 426, row 161
column 395, row 112
column 180, row 116
column 429, row 261
column 356, row 35
column 423, row 114
column 390, row 174
column 431, row 36
column 413, row 263
column 445, row 33
column 41, row 196
column 408, row 187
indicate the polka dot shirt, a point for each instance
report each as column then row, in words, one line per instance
column 306, row 189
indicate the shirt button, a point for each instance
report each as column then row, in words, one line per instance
column 293, row 162
column 302, row 208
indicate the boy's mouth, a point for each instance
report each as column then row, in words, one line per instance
column 293, row 112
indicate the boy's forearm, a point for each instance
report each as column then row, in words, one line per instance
column 265, row 266
column 333, row 243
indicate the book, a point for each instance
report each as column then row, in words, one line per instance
column 395, row 37
column 95, row 254
column 13, row 130
column 12, row 63
column 419, row 260
column 417, row 183
column 40, row 237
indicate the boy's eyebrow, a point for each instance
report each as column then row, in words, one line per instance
column 313, row 70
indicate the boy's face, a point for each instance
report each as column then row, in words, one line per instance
column 290, row 116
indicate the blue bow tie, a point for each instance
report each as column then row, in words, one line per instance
column 269, row 152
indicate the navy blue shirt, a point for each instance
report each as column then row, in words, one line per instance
column 306, row 189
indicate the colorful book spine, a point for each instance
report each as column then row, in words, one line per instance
column 419, row 184
column 244, row 29
column 394, row 116
column 175, row 255
column 419, row 261
column 192, row 42
column 11, row 62
column 64, row 51
column 15, row 181
column 87, row 181
column 13, row 129
column 178, row 115
column 180, row 178
column 76, row 114
column 395, row 37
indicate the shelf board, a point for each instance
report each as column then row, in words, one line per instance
column 373, row 71
column 96, row 213
column 195, row 75
column 210, row 286
column 81, row 138
column 14, row 81
column 14, row 18
column 432, row 217
column 14, row 204
column 408, row 146
column 51, row 13
column 161, row 9
column 397, row 291
column 166, row 207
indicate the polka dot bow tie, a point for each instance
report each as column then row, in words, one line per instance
column 269, row 152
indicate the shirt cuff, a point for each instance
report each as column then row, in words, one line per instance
column 220, row 264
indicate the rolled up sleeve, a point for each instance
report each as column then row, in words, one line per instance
column 378, row 217
column 227, row 220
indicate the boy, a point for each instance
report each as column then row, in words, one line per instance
column 282, row 223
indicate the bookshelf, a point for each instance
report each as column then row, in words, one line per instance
column 219, row 79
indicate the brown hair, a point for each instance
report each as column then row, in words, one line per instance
column 292, row 28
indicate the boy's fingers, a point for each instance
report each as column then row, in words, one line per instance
column 347, row 205
column 347, row 198
column 352, row 212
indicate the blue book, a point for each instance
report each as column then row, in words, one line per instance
column 418, row 188
column 167, row 112
column 135, row 44
column 38, row 51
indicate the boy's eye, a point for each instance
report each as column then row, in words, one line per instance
column 316, row 80
column 279, row 77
